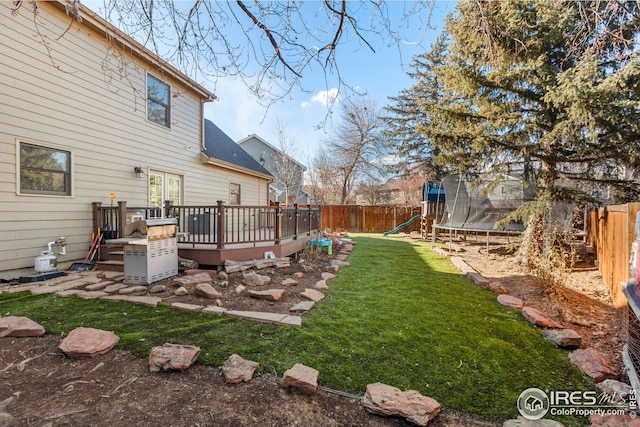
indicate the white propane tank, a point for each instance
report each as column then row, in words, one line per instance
column 46, row 262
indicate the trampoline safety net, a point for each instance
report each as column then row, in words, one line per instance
column 473, row 209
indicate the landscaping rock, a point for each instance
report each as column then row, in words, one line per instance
column 539, row 319
column 240, row 289
column 269, row 294
column 563, row 338
column 88, row 342
column 186, row 307
column 321, row 285
column 205, row 290
column 332, row 268
column 214, row 309
column 18, row 326
column 327, row 276
column 274, row 318
column 181, row 291
column 222, row 275
column 386, row 400
column 139, row 300
column 595, row 364
column 194, row 279
column 111, row 275
column 298, row 275
column 497, row 287
column 92, row 294
column 172, row 357
column 187, row 264
column 289, row 282
column 478, row 278
column 114, row 288
column 98, row 286
column 509, row 301
column 523, row 422
column 615, row 389
column 302, row 378
column 132, row 290
column 236, row 369
column 254, row 279
column 194, row 271
column 157, row 289
column 312, row 294
column 69, row 292
column 338, row 263
column 302, row 307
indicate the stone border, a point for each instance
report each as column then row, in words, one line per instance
column 107, row 286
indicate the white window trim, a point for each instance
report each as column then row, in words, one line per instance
column 146, row 101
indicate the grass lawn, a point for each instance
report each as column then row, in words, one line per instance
column 401, row 315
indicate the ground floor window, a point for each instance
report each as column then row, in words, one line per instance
column 44, row 170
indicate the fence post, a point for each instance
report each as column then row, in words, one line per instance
column 122, row 218
column 96, row 207
column 309, row 219
column 278, row 228
column 295, row 221
column 220, row 225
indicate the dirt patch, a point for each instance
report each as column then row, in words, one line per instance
column 46, row 388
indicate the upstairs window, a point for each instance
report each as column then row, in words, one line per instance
column 158, row 96
column 234, row 190
column 44, row 170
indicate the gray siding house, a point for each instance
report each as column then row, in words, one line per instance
column 288, row 186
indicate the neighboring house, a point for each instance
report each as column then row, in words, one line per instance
column 85, row 111
column 288, row 172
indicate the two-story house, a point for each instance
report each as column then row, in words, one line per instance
column 87, row 114
column 288, row 186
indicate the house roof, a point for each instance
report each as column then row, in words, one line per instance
column 263, row 141
column 95, row 22
column 221, row 150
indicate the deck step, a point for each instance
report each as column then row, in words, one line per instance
column 111, row 265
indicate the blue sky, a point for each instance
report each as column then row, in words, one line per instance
column 380, row 74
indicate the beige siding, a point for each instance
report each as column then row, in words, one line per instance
column 73, row 96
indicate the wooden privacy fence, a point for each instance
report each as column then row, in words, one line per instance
column 368, row 219
column 610, row 232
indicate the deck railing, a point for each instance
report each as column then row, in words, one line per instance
column 217, row 225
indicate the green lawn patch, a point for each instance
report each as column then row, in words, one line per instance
column 400, row 315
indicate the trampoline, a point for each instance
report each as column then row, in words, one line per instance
column 478, row 208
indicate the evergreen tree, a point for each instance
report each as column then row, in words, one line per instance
column 547, row 87
column 404, row 116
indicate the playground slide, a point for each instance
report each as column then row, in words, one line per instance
column 395, row 230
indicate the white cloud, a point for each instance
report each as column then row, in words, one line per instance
column 324, row 97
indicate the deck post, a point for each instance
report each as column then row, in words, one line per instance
column 168, row 204
column 122, row 218
column 220, row 225
column 278, row 228
column 296, row 214
column 95, row 207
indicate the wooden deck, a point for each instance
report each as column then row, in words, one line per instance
column 212, row 235
column 209, row 255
